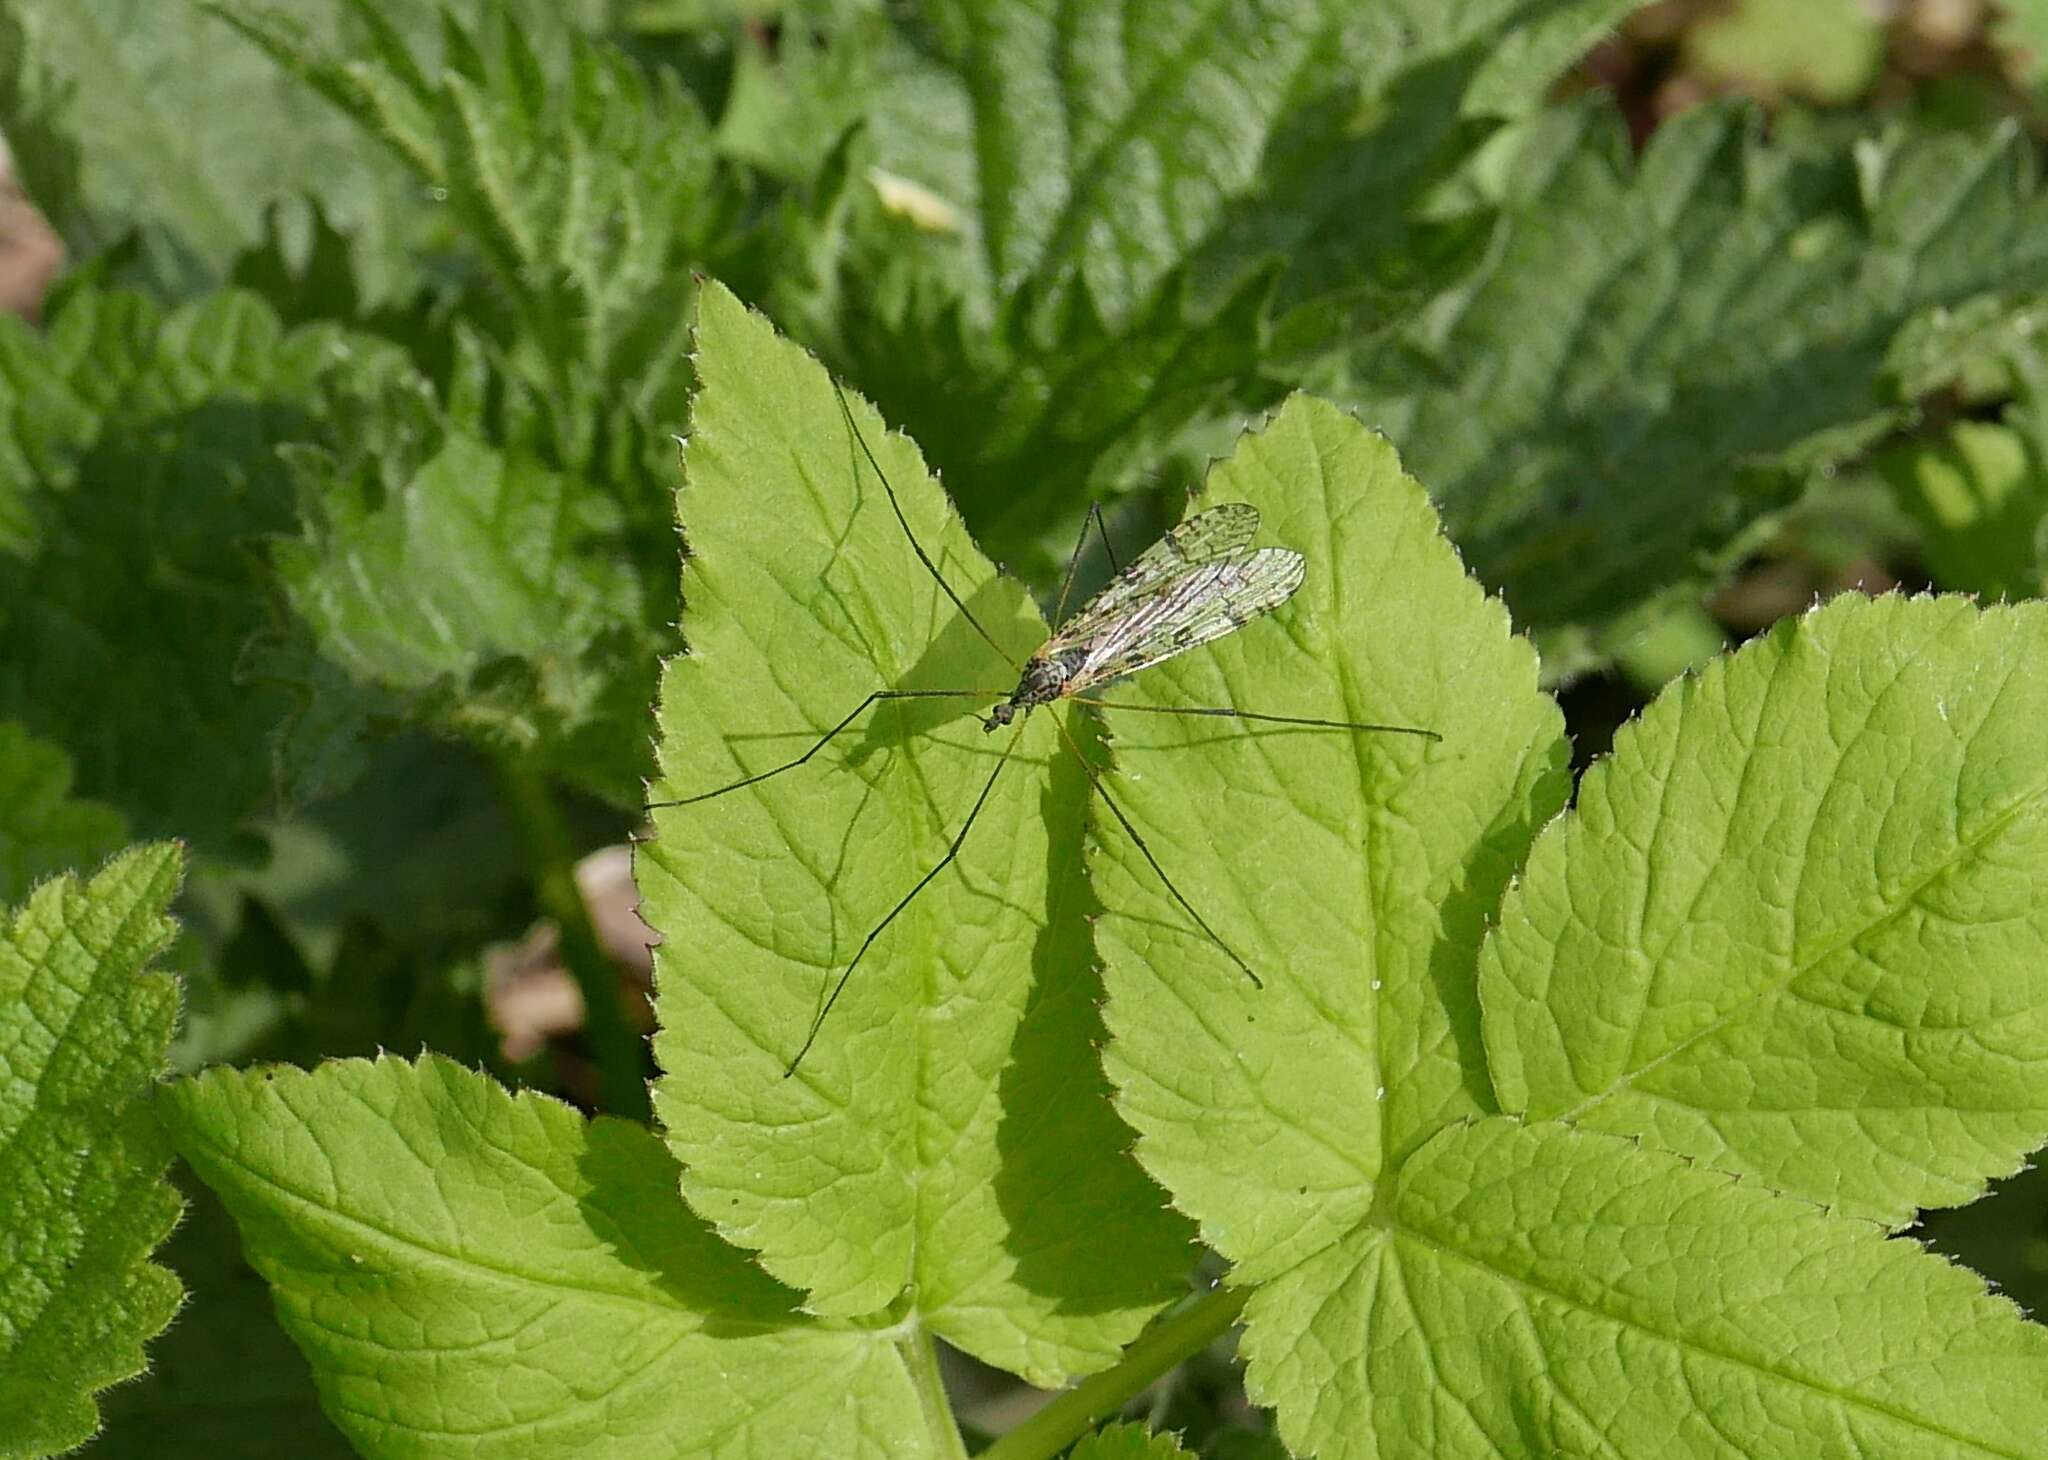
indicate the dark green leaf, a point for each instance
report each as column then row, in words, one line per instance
column 485, row 594
column 143, row 477
column 1585, row 407
column 43, row 829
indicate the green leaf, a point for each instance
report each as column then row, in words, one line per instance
column 43, row 829
column 83, row 1202
column 2004, row 1237
column 1829, row 50
column 484, row 592
column 1719, row 305
column 224, row 1374
column 583, row 183
column 480, row 1274
column 1985, row 351
column 1355, row 874
column 1108, row 151
column 582, row 189
column 430, row 816
column 1122, row 194
column 1792, row 928
column 57, row 389
column 944, row 1153
column 119, row 101
column 1127, row 1442
column 796, row 90
column 1544, row 1291
column 1420, row 1267
column 2024, row 28
column 1979, row 494
column 145, row 475
column 1521, row 46
column 132, row 89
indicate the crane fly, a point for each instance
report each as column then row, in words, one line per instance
column 1200, row 581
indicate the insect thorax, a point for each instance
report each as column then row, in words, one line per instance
column 1044, row 680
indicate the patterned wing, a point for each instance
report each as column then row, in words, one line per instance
column 1195, row 606
column 1220, row 532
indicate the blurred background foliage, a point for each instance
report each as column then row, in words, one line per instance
column 348, row 340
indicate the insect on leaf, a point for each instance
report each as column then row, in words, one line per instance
column 951, row 1107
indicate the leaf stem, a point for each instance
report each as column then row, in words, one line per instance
column 622, row 1078
column 1077, row 1410
column 921, row 1358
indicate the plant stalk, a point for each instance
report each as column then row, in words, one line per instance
column 1078, row 1410
column 921, row 1359
column 622, row 1080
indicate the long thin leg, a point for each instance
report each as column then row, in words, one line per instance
column 1110, row 801
column 915, row 546
column 1268, row 719
column 922, row 882
column 1094, row 515
column 826, row 738
column 1103, row 533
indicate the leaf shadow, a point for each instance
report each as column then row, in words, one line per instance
column 1468, row 911
column 634, row 1206
column 1085, row 1224
column 956, row 658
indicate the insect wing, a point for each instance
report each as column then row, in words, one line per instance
column 1220, row 532
column 1194, row 607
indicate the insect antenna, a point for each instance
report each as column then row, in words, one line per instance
column 827, row 738
column 915, row 546
column 959, row 837
column 1179, row 897
column 1267, row 719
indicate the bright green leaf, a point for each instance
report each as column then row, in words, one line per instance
column 1543, row 1291
column 1128, row 1442
column 1355, row 874
column 1584, row 406
column 479, row 1274
column 83, row 1202
column 1793, row 927
column 43, row 829
column 945, row 1151
column 1979, row 496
